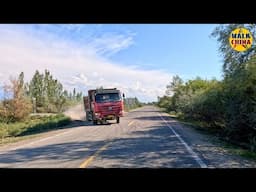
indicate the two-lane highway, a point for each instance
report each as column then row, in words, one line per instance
column 142, row 139
column 145, row 137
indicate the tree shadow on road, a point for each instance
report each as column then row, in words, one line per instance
column 68, row 151
column 148, row 118
column 150, row 148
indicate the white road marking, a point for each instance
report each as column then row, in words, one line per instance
column 37, row 141
column 190, row 150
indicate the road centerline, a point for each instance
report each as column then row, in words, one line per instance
column 92, row 157
column 129, row 124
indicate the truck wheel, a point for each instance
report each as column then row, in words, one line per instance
column 117, row 119
column 94, row 122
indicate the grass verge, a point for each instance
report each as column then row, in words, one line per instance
column 204, row 128
column 13, row 132
column 234, row 149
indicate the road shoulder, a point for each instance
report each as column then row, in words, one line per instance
column 208, row 147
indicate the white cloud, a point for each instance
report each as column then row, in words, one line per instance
column 76, row 66
column 72, row 27
column 109, row 44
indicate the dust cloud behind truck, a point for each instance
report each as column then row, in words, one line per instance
column 104, row 104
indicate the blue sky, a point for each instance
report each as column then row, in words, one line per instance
column 186, row 50
column 140, row 59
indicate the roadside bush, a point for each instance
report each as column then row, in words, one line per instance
column 209, row 106
column 16, row 106
column 33, row 125
column 15, row 109
column 240, row 103
column 3, row 131
column 228, row 105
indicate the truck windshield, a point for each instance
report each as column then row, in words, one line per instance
column 107, row 97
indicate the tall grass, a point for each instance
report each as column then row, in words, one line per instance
column 33, row 125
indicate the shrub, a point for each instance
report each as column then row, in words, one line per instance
column 16, row 106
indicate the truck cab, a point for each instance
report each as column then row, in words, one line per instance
column 104, row 104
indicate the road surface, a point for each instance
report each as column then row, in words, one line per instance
column 145, row 138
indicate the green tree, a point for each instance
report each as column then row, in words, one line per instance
column 36, row 89
column 74, row 94
column 240, row 101
column 238, row 86
column 16, row 106
column 21, row 80
column 65, row 94
column 233, row 60
column 173, row 85
column 165, row 102
column 137, row 102
column 79, row 96
column 228, row 105
column 48, row 92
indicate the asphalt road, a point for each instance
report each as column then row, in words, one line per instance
column 145, row 138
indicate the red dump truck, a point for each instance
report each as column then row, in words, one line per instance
column 103, row 104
